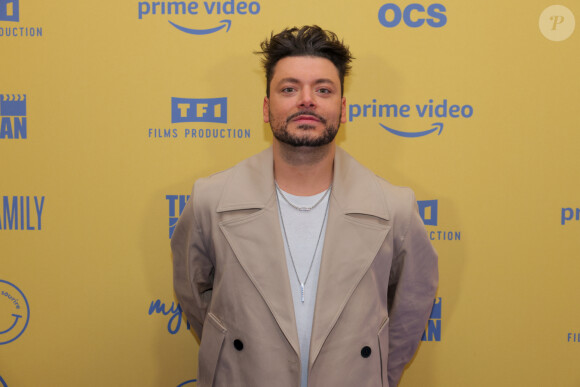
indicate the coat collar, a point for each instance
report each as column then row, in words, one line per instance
column 355, row 188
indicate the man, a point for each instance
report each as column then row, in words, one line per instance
column 298, row 266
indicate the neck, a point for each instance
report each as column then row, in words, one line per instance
column 303, row 171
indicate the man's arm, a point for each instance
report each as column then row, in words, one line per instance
column 193, row 270
column 414, row 273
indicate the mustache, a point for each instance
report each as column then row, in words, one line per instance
column 306, row 113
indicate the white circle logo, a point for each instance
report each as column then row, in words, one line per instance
column 557, row 23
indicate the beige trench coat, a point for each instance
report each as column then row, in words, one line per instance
column 377, row 283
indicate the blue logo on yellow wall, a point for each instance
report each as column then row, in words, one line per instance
column 14, row 312
column 199, row 110
column 195, row 8
column 432, row 110
column 175, row 202
column 433, row 330
column 10, row 10
column 437, row 126
column 13, row 116
column 413, row 15
column 21, row 212
column 174, row 323
column 187, row 382
column 428, row 211
column 569, row 214
column 207, row 31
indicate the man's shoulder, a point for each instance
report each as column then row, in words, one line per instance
column 211, row 187
column 394, row 192
column 398, row 200
column 389, row 189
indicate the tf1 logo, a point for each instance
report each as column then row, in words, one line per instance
column 428, row 211
column 176, row 202
column 9, row 10
column 390, row 15
column 199, row 110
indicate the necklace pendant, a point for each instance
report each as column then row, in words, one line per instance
column 304, row 209
column 302, row 292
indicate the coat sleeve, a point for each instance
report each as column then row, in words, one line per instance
column 193, row 269
column 413, row 279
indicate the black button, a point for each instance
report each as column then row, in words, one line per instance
column 365, row 351
column 238, row 344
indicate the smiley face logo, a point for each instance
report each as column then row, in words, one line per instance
column 14, row 312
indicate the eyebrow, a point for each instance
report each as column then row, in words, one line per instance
column 294, row 80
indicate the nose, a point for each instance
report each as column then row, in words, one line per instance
column 306, row 100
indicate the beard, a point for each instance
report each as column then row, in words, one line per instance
column 281, row 133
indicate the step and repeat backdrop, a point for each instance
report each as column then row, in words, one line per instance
column 111, row 109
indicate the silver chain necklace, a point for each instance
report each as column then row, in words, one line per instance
column 302, row 208
column 302, row 283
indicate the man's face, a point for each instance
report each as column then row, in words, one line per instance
column 305, row 107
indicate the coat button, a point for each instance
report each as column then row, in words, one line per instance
column 365, row 351
column 238, row 344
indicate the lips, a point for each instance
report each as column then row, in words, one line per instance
column 306, row 117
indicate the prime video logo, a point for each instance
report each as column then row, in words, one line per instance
column 10, row 10
column 199, row 110
column 569, row 214
column 434, row 110
column 13, row 116
column 195, row 8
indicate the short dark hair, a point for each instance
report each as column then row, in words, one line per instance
column 305, row 41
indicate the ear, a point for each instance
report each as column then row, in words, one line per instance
column 343, row 113
column 266, row 110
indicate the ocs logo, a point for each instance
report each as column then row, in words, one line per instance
column 413, row 15
column 14, row 312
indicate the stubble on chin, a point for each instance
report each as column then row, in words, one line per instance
column 304, row 138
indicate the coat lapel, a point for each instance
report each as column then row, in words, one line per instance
column 350, row 244
column 255, row 237
column 253, row 231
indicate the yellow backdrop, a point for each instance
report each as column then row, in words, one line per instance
column 111, row 109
